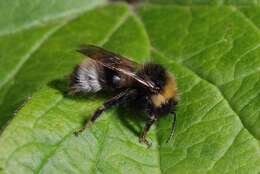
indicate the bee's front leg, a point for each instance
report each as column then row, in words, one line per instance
column 143, row 135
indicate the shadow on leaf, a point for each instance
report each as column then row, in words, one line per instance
column 129, row 115
column 131, row 118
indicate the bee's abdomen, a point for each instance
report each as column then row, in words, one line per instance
column 86, row 77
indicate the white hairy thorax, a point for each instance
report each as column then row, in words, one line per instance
column 87, row 77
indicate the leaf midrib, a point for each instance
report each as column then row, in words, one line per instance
column 120, row 22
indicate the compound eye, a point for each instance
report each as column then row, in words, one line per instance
column 158, row 83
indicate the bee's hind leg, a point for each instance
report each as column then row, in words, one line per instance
column 116, row 100
column 93, row 118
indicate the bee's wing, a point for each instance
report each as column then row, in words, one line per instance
column 114, row 62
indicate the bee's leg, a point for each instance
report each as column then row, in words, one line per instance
column 148, row 124
column 118, row 99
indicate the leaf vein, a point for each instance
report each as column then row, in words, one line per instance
column 215, row 87
column 226, row 151
column 26, row 57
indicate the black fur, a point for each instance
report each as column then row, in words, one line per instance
column 154, row 72
column 138, row 94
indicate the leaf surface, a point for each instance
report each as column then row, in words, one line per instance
column 213, row 51
column 19, row 75
column 18, row 15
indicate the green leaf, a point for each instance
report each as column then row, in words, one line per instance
column 213, row 51
column 19, row 47
column 208, row 2
column 17, row 15
column 221, row 50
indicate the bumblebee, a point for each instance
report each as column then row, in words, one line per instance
column 149, row 83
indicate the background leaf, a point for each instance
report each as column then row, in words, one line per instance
column 208, row 2
column 17, row 15
column 213, row 52
column 19, row 76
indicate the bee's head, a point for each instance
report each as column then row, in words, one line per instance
column 164, row 99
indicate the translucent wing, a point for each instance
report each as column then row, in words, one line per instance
column 114, row 62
